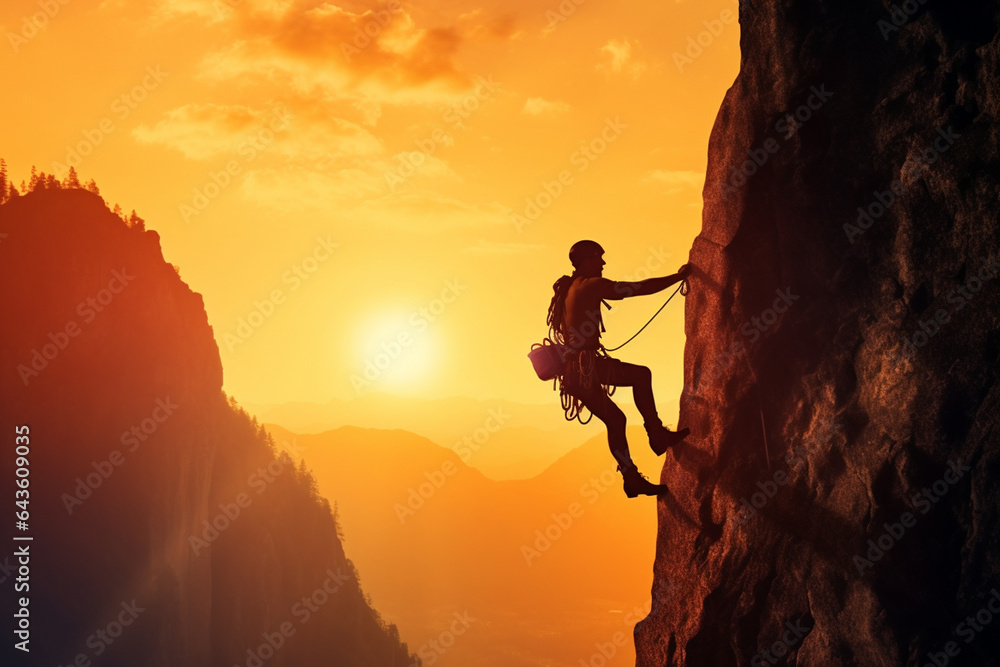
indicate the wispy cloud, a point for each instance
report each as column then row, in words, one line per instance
column 620, row 59
column 484, row 247
column 675, row 180
column 537, row 106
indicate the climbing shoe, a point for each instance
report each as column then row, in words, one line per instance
column 636, row 483
column 661, row 437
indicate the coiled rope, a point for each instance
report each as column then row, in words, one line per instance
column 580, row 365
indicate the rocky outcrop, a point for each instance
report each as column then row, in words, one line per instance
column 155, row 503
column 836, row 503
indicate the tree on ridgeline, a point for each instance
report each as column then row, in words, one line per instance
column 136, row 223
column 71, row 180
column 42, row 181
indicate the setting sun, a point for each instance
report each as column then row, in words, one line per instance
column 399, row 351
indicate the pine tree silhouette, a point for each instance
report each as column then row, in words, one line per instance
column 3, row 181
column 136, row 223
column 71, row 180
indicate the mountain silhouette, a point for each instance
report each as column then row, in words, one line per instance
column 167, row 529
column 502, row 439
column 490, row 547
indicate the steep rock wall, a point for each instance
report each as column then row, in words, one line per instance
column 839, row 361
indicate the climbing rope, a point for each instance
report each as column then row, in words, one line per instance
column 682, row 288
column 580, row 365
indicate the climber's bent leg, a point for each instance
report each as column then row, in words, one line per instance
column 605, row 409
column 601, row 405
column 611, row 371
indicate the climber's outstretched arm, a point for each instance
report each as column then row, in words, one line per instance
column 624, row 290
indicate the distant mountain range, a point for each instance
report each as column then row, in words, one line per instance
column 563, row 555
column 502, row 439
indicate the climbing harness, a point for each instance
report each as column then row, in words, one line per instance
column 554, row 360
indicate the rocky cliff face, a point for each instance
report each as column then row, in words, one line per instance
column 166, row 530
column 837, row 502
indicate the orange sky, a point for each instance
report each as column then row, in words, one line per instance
column 409, row 153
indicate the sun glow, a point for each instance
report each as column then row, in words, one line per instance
column 396, row 351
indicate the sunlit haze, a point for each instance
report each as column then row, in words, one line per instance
column 372, row 185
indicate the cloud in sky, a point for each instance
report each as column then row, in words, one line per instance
column 484, row 247
column 537, row 106
column 339, row 69
column 374, row 56
column 619, row 59
column 675, row 181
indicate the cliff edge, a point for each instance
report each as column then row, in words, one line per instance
column 836, row 502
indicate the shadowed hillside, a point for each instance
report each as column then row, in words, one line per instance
column 154, row 502
column 549, row 566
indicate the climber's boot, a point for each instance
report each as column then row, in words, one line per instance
column 661, row 437
column 636, row 483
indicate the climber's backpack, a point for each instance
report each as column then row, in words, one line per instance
column 548, row 359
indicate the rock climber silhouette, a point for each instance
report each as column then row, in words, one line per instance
column 589, row 375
